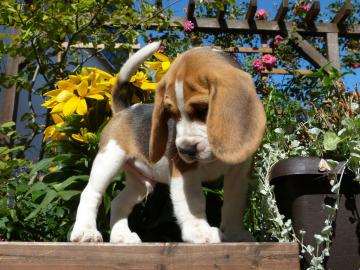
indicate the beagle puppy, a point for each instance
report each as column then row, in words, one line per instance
column 207, row 121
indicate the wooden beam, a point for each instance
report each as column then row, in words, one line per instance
column 343, row 13
column 146, row 256
column 90, row 45
column 220, row 15
column 211, row 25
column 314, row 12
column 8, row 106
column 333, row 51
column 311, row 53
column 9, row 98
column 244, row 49
column 190, row 10
column 282, row 11
column 158, row 3
column 250, row 14
column 279, row 71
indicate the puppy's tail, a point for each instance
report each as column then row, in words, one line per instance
column 126, row 72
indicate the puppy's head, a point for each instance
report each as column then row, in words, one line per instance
column 215, row 106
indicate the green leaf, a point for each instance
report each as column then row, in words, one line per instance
column 41, row 165
column 331, row 140
column 8, row 124
column 68, row 194
column 38, row 186
column 69, row 181
column 49, row 197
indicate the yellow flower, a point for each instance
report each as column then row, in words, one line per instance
column 160, row 67
column 52, row 132
column 71, row 94
column 141, row 80
column 84, row 136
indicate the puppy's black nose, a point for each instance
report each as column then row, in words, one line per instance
column 189, row 150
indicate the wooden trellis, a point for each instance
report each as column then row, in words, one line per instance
column 249, row 25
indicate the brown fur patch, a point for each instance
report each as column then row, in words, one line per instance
column 119, row 129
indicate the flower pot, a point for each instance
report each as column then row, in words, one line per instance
column 302, row 191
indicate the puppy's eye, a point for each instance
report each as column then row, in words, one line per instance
column 201, row 111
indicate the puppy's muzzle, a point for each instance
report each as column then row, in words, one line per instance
column 189, row 151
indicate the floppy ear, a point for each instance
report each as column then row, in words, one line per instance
column 159, row 128
column 236, row 119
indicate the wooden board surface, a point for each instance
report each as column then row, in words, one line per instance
column 159, row 256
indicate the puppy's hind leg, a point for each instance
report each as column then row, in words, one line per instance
column 134, row 192
column 107, row 164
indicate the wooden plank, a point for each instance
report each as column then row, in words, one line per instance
column 71, row 256
column 279, row 71
column 220, row 14
column 158, row 3
column 343, row 13
column 250, row 14
column 190, row 10
column 282, row 11
column 244, row 49
column 333, row 51
column 311, row 53
column 90, row 45
column 9, row 98
column 211, row 25
column 314, row 12
column 8, row 106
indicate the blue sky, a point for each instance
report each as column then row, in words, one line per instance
column 178, row 7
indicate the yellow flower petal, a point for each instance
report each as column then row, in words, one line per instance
column 57, row 118
column 84, row 72
column 83, row 88
column 101, row 72
column 148, row 86
column 78, row 137
column 53, row 93
column 75, row 79
column 162, row 57
column 153, row 65
column 96, row 96
column 64, row 96
column 48, row 132
column 71, row 105
column 58, row 108
column 66, row 85
column 82, row 107
column 165, row 66
column 50, row 103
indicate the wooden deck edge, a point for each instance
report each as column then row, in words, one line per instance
column 76, row 256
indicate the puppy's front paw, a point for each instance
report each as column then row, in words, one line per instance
column 85, row 235
column 124, row 236
column 200, row 232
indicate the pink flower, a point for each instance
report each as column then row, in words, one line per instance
column 188, row 26
column 261, row 14
column 258, row 65
column 356, row 65
column 301, row 9
column 306, row 7
column 162, row 49
column 278, row 39
column 268, row 60
column 276, row 42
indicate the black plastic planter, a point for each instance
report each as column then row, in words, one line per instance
column 301, row 191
